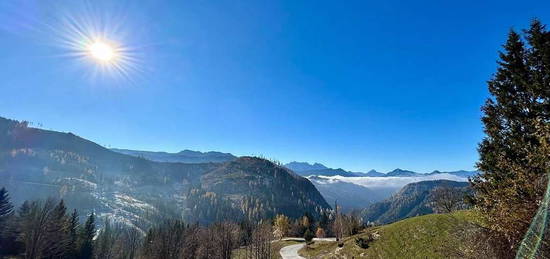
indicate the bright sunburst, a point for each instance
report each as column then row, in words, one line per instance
column 102, row 51
column 100, row 39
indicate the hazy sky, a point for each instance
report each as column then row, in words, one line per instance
column 351, row 84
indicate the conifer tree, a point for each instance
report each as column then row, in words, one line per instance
column 106, row 238
column 24, row 210
column 6, row 208
column 72, row 231
column 58, row 235
column 86, row 238
column 513, row 162
column 7, row 237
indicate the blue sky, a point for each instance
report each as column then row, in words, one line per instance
column 355, row 84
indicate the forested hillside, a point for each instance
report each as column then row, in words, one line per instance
column 416, row 199
column 38, row 163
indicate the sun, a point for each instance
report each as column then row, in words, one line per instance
column 102, row 43
column 102, row 51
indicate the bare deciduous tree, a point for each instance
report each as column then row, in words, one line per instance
column 445, row 199
column 41, row 228
column 281, row 225
column 260, row 246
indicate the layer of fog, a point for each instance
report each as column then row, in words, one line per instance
column 374, row 183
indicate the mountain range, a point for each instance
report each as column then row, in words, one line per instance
column 401, row 173
column 304, row 166
column 142, row 187
column 36, row 164
column 185, row 156
column 358, row 192
column 307, row 169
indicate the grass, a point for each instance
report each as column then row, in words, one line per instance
column 426, row 236
column 275, row 248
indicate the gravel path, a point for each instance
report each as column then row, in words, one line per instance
column 291, row 251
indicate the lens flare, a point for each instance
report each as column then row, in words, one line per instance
column 100, row 38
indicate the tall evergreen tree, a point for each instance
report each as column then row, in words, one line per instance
column 105, row 241
column 6, row 208
column 7, row 237
column 72, row 231
column 58, row 235
column 18, row 226
column 25, row 209
column 86, row 238
column 514, row 159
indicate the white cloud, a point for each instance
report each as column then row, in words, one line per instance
column 392, row 182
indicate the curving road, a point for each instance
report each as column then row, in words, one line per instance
column 291, row 251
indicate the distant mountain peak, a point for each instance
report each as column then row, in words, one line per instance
column 184, row 156
column 194, row 152
column 374, row 173
column 304, row 166
column 401, row 172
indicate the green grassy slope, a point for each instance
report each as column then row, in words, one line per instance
column 429, row 236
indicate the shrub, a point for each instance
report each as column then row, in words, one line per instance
column 364, row 242
column 308, row 236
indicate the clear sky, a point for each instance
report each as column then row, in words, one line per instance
column 350, row 84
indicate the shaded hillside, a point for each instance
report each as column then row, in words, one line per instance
column 185, row 156
column 36, row 164
column 412, row 200
column 261, row 188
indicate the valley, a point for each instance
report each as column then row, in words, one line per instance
column 274, row 129
column 140, row 187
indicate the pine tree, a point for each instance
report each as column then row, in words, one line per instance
column 86, row 238
column 24, row 210
column 6, row 208
column 58, row 235
column 72, row 228
column 19, row 225
column 7, row 237
column 514, row 161
column 105, row 241
column 308, row 236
